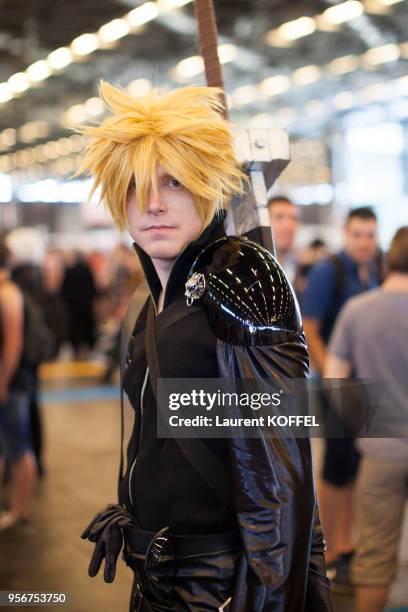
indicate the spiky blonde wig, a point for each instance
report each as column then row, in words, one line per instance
column 182, row 130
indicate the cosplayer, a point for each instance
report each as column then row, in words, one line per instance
column 214, row 524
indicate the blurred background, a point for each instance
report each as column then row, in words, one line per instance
column 332, row 74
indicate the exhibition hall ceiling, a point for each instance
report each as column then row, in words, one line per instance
column 284, row 62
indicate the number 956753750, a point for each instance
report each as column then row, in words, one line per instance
column 31, row 598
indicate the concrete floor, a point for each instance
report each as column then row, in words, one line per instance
column 82, row 462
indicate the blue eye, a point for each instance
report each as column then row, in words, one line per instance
column 174, row 183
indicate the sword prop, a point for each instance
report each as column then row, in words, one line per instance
column 264, row 152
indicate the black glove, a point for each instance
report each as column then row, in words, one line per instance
column 105, row 530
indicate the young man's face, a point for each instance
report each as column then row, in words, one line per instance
column 361, row 239
column 169, row 222
column 284, row 219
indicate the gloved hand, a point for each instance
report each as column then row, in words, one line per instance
column 105, row 530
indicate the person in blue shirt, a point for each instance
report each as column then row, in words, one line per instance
column 330, row 284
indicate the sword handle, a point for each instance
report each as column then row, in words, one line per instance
column 208, row 43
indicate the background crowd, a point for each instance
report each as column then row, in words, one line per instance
column 58, row 304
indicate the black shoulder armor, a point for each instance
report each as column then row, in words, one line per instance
column 246, row 294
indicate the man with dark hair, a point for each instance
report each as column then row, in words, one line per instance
column 376, row 324
column 363, row 212
column 284, row 220
column 330, row 284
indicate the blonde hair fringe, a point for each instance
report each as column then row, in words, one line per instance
column 182, row 130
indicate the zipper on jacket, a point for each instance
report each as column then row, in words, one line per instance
column 167, row 285
column 146, row 376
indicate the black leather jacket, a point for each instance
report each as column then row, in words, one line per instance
column 271, row 478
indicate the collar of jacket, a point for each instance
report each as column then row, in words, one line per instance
column 181, row 267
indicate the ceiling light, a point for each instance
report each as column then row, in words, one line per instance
column 389, row 2
column 381, row 55
column 189, row 67
column 85, row 44
column 43, row 129
column 39, row 71
column 8, row 137
column 274, row 39
column 227, row 53
column 375, row 7
column 275, row 85
column 39, row 154
column 19, row 82
column 142, row 14
column 114, row 30
column 343, row 65
column 30, row 155
column 292, row 30
column 5, row 93
column 78, row 142
column 64, row 146
column 60, row 58
column 50, row 150
column 22, row 158
column 32, row 130
column 343, row 100
column 94, row 107
column 340, row 13
column 76, row 114
column 139, row 87
column 4, row 167
column 324, row 25
column 245, row 95
column 306, row 75
column 64, row 165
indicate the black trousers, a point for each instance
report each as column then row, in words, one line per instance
column 196, row 573
column 194, row 589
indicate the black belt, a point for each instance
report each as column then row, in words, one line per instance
column 138, row 542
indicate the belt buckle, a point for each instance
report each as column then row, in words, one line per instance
column 160, row 547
